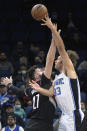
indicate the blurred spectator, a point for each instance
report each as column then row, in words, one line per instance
column 28, row 111
column 11, row 124
column 22, row 70
column 20, row 76
column 82, row 72
column 29, row 107
column 12, row 98
column 73, row 56
column 39, row 59
column 23, row 61
column 19, row 110
column 83, row 65
column 10, row 110
column 3, row 95
column 34, row 49
column 6, row 67
column 33, row 52
column 19, row 50
column 74, row 37
column 42, row 55
column 5, row 100
column 71, row 25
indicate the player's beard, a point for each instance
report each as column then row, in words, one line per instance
column 38, row 78
column 11, row 125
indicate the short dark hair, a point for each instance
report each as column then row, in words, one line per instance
column 31, row 72
column 11, row 115
column 9, row 106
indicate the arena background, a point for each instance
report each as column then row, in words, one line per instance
column 17, row 24
column 24, row 42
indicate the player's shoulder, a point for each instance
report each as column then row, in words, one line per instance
column 45, row 81
column 30, row 91
column 44, row 77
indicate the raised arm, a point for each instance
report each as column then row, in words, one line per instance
column 51, row 55
column 50, row 59
column 61, row 49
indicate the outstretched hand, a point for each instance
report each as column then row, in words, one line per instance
column 34, row 85
column 5, row 81
column 47, row 22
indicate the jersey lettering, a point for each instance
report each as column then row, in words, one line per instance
column 36, row 101
column 59, row 81
column 57, row 91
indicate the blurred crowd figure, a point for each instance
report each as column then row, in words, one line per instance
column 11, row 124
column 6, row 67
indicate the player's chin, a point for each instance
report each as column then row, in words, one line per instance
column 57, row 67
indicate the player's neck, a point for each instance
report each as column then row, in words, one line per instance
column 62, row 70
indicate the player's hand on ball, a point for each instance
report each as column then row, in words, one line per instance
column 47, row 22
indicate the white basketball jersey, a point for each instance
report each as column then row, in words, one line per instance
column 67, row 93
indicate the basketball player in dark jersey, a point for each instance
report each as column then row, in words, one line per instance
column 41, row 117
column 43, row 106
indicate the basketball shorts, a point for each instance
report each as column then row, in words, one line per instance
column 71, row 122
column 38, row 125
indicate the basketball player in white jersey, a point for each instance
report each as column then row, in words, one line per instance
column 65, row 86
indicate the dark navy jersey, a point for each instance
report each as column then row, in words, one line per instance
column 43, row 106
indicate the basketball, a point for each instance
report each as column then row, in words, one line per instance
column 39, row 11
